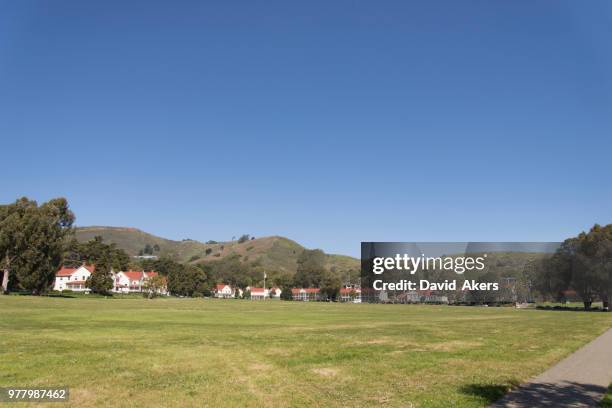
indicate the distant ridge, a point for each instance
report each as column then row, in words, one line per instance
column 274, row 252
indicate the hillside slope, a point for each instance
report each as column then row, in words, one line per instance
column 274, row 253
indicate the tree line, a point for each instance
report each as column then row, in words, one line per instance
column 199, row 280
column 582, row 264
column 36, row 240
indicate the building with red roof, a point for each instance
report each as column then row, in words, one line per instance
column 350, row 295
column 258, row 293
column 67, row 278
column 133, row 281
column 275, row 293
column 263, row 293
column 306, row 294
column 75, row 279
column 223, row 291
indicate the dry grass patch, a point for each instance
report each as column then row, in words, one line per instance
column 326, row 371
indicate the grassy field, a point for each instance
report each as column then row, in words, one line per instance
column 197, row 352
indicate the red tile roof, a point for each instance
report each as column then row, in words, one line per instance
column 65, row 271
column 306, row 290
column 133, row 275
column 347, row 291
column 222, row 286
column 258, row 290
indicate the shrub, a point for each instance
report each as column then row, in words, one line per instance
column 149, row 295
column 286, row 293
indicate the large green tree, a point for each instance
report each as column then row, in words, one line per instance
column 96, row 251
column 187, row 280
column 310, row 268
column 32, row 242
column 101, row 280
column 593, row 266
column 286, row 284
column 582, row 263
column 330, row 286
column 554, row 274
column 154, row 286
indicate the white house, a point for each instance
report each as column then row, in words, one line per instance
column 259, row 293
column 275, row 293
column 306, row 294
column 73, row 278
column 132, row 281
column 350, row 295
column 223, row 291
column 123, row 282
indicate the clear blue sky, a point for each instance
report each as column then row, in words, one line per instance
column 329, row 122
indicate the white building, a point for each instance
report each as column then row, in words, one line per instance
column 306, row 294
column 259, row 293
column 73, row 278
column 350, row 295
column 223, row 291
column 132, row 281
column 123, row 282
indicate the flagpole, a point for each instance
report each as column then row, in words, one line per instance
column 264, row 285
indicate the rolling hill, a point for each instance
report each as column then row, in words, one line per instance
column 274, row 253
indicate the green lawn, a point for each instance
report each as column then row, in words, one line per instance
column 196, row 352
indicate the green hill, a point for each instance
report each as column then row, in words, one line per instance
column 274, row 253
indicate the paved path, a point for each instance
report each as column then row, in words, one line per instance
column 581, row 380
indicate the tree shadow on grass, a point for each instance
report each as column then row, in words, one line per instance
column 532, row 395
column 489, row 392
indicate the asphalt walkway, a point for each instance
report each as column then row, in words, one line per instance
column 579, row 381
